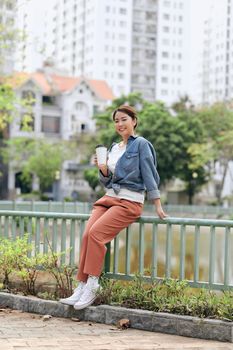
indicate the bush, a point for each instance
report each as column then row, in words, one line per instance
column 16, row 256
column 169, row 296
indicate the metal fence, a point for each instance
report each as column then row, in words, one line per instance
column 197, row 250
column 85, row 207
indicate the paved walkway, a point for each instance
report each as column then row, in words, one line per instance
column 21, row 331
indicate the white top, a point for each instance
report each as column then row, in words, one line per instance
column 113, row 156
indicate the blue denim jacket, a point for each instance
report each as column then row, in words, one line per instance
column 135, row 169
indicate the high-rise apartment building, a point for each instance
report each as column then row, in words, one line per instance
column 159, row 55
column 31, row 20
column 217, row 83
column 8, row 34
column 135, row 45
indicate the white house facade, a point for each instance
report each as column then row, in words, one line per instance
column 63, row 109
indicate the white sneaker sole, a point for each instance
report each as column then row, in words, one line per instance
column 68, row 302
column 78, row 306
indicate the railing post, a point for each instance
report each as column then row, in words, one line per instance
column 107, row 262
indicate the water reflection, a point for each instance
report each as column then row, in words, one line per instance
column 204, row 252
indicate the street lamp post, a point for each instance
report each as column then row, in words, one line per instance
column 56, row 186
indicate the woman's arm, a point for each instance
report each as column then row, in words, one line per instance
column 159, row 209
column 150, row 177
column 104, row 174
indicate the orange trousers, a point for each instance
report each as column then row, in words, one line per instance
column 109, row 216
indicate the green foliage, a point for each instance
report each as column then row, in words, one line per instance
column 165, row 133
column 7, row 99
column 38, row 156
column 17, row 258
column 92, row 177
column 7, row 260
column 9, row 36
column 170, row 296
column 186, row 144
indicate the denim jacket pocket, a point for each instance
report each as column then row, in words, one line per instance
column 131, row 159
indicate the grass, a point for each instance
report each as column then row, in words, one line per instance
column 170, row 296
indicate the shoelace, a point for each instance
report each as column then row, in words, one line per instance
column 89, row 292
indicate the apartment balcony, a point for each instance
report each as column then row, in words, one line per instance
column 145, row 4
column 50, row 109
column 75, row 166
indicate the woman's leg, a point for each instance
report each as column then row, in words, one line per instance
column 121, row 214
column 97, row 212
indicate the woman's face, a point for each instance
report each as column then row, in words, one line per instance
column 124, row 124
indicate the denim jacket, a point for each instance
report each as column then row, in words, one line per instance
column 135, row 170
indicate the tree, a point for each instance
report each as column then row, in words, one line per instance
column 194, row 174
column 217, row 122
column 183, row 104
column 9, row 36
column 170, row 135
column 37, row 156
column 92, row 177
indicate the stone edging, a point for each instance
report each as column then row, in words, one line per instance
column 140, row 319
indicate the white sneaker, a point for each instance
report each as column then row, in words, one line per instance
column 87, row 298
column 75, row 296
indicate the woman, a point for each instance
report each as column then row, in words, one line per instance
column 130, row 169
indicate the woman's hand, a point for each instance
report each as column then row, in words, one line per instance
column 103, row 168
column 161, row 214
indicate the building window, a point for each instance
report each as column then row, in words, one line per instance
column 122, row 11
column 50, row 125
column 96, row 109
column 166, row 29
column 149, row 54
column 48, row 100
column 164, row 80
column 166, row 42
column 122, row 36
column 29, row 97
column 27, row 122
column 121, row 62
column 166, row 16
column 164, row 92
column 122, row 24
column 165, row 67
column 165, row 54
column 167, row 3
column 84, row 128
column 122, row 49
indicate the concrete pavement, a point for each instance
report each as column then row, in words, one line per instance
column 21, row 331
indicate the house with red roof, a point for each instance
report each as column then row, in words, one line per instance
column 63, row 108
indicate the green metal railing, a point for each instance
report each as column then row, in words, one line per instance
column 85, row 208
column 197, row 250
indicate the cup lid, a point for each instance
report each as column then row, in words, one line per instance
column 99, row 146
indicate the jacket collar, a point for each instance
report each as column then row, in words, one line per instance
column 130, row 139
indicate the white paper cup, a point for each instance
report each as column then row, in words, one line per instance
column 101, row 153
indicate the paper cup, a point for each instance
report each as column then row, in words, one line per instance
column 101, row 153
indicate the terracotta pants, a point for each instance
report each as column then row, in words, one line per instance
column 109, row 216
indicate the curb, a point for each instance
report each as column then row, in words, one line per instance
column 187, row 326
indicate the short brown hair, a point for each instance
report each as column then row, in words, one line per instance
column 130, row 111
